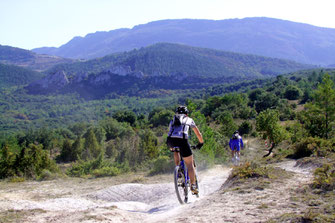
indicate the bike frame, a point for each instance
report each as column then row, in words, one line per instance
column 182, row 168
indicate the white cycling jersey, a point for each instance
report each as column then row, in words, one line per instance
column 181, row 131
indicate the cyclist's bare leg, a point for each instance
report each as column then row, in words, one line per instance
column 191, row 172
column 176, row 157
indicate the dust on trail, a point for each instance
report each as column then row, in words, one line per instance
column 157, row 201
column 251, row 205
column 119, row 203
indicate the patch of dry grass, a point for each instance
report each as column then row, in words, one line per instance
column 17, row 215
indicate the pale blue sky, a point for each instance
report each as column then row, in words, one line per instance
column 36, row 23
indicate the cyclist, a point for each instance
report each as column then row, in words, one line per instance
column 178, row 137
column 235, row 144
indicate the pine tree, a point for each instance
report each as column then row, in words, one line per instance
column 325, row 101
column 91, row 145
column 319, row 116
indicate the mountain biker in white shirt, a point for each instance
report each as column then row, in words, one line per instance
column 178, row 137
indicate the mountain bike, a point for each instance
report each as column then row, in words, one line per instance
column 182, row 180
column 236, row 159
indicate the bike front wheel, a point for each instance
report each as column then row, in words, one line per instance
column 180, row 184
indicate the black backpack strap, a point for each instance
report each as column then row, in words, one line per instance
column 172, row 128
column 184, row 129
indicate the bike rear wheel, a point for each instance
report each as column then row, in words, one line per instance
column 180, row 184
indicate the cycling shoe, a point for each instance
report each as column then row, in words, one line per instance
column 194, row 189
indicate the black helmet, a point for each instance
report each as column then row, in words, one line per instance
column 182, row 110
column 236, row 132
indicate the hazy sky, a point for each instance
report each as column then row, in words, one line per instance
column 36, row 23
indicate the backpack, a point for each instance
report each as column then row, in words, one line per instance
column 235, row 136
column 177, row 128
column 176, row 121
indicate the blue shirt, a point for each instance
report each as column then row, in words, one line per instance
column 236, row 143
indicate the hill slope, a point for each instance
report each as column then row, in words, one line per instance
column 162, row 66
column 28, row 59
column 11, row 75
column 261, row 36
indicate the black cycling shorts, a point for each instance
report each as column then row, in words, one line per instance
column 185, row 148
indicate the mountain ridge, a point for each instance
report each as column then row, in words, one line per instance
column 160, row 66
column 269, row 37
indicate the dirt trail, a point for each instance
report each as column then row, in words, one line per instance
column 54, row 201
column 110, row 200
column 113, row 200
column 253, row 205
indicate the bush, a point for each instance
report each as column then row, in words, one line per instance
column 324, row 177
column 82, row 168
column 46, row 175
column 249, row 170
column 292, row 92
column 162, row 164
column 312, row 146
column 30, row 162
column 245, row 128
column 16, row 179
column 98, row 167
column 106, row 171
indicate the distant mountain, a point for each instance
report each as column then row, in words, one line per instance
column 28, row 59
column 260, row 36
column 11, row 75
column 160, row 66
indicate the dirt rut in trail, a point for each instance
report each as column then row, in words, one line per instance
column 57, row 201
column 158, row 198
column 252, row 204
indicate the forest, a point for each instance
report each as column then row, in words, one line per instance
column 40, row 134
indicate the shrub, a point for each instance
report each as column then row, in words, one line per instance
column 30, row 162
column 106, row 171
column 162, row 164
column 324, row 177
column 312, row 146
column 16, row 179
column 292, row 92
column 249, row 170
column 46, row 175
column 98, row 167
column 245, row 128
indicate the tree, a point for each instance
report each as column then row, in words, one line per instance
column 266, row 100
column 214, row 142
column 267, row 123
column 320, row 113
column 292, row 92
column 162, row 117
column 76, row 149
column 7, row 159
column 66, row 151
column 91, row 145
column 149, row 144
column 228, row 124
column 325, row 101
column 245, row 128
column 125, row 116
